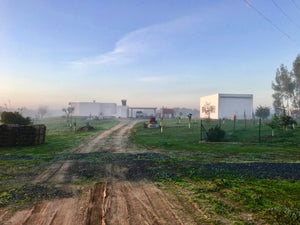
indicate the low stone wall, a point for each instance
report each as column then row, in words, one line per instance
column 16, row 135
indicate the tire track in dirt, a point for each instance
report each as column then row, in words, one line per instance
column 113, row 202
column 57, row 172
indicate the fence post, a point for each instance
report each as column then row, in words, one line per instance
column 259, row 129
column 201, row 130
column 234, row 123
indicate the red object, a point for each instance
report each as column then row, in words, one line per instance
column 152, row 120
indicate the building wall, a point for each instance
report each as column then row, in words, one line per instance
column 122, row 111
column 94, row 109
column 213, row 101
column 108, row 109
column 238, row 105
column 227, row 105
column 86, row 108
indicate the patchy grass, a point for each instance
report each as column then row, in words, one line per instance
column 232, row 183
column 175, row 139
column 18, row 165
column 28, row 194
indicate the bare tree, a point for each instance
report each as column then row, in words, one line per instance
column 69, row 111
column 42, row 111
column 207, row 108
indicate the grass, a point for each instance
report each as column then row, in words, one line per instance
column 203, row 173
column 20, row 164
column 232, row 183
column 239, row 147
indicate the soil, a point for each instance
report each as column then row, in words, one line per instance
column 110, row 181
column 116, row 200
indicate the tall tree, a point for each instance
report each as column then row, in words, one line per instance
column 296, row 76
column 283, row 87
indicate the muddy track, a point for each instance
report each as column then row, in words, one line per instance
column 111, row 202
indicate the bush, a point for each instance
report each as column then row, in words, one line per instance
column 14, row 118
column 215, row 134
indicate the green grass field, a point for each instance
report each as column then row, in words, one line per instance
column 233, row 179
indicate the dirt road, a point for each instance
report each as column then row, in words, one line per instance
column 114, row 201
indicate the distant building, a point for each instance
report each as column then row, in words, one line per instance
column 219, row 106
column 94, row 109
column 109, row 110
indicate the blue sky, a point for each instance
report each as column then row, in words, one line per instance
column 152, row 53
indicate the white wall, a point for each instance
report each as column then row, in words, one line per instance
column 227, row 105
column 94, row 109
column 122, row 111
column 230, row 104
column 85, row 108
column 213, row 100
column 108, row 109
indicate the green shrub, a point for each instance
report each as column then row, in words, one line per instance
column 14, row 118
column 215, row 134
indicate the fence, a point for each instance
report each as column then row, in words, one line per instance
column 16, row 135
column 242, row 131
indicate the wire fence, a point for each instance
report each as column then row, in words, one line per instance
column 242, row 131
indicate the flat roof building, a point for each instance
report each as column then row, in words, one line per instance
column 224, row 106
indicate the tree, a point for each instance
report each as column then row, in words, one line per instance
column 69, row 111
column 14, row 118
column 262, row 112
column 296, row 76
column 42, row 111
column 283, row 87
column 207, row 109
column 287, row 121
column 287, row 89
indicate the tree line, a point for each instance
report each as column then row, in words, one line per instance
column 286, row 89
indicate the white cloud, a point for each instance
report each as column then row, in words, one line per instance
column 147, row 41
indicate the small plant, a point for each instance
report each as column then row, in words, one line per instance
column 215, row 134
column 274, row 124
column 287, row 121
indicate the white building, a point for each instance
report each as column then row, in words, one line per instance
column 219, row 106
column 98, row 109
column 94, row 109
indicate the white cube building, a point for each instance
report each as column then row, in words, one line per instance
column 224, row 106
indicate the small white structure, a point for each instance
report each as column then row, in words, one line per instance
column 219, row 106
column 122, row 110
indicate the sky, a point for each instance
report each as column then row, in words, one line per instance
column 153, row 53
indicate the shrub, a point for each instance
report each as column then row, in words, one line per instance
column 14, row 118
column 215, row 134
